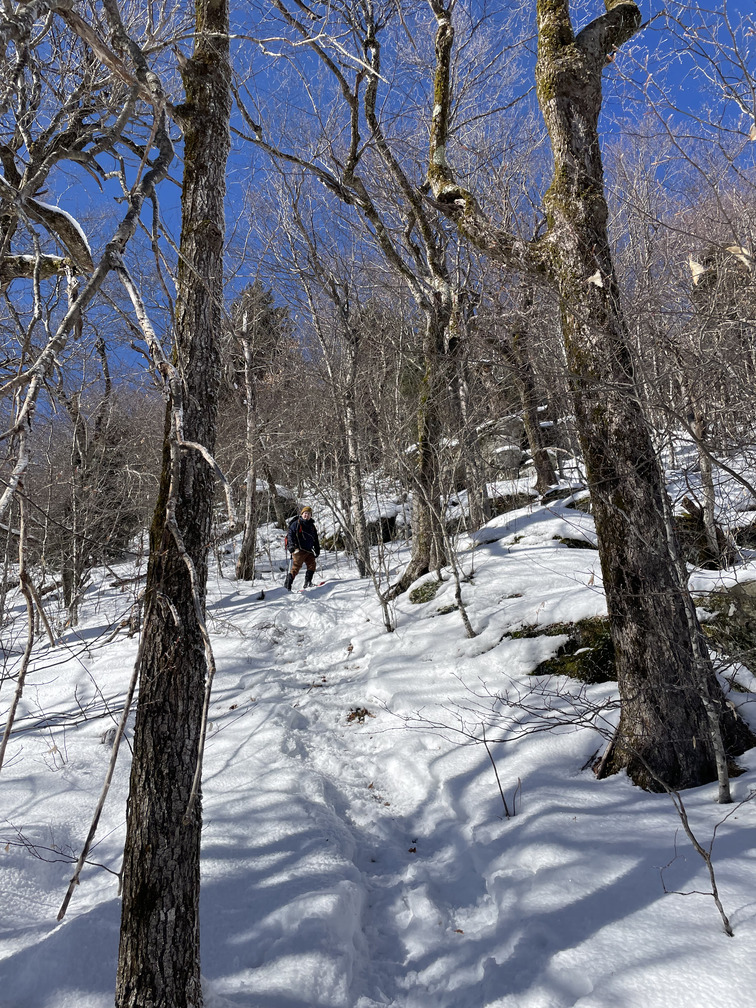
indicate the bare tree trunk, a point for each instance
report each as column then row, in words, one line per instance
column 281, row 515
column 25, row 586
column 667, row 684
column 159, row 964
column 515, row 352
column 474, row 466
column 708, row 495
column 358, row 525
column 245, row 565
column 675, row 720
column 427, row 542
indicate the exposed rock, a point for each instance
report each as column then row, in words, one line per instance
column 588, row 655
column 580, row 501
column 694, row 542
column 745, row 536
column 425, row 591
column 729, row 621
column 576, row 543
column 501, row 503
column 500, row 444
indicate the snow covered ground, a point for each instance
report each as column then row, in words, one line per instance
column 356, row 848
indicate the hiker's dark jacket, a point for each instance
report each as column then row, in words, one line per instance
column 302, row 535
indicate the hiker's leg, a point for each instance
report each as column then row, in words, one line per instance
column 312, row 566
column 297, row 559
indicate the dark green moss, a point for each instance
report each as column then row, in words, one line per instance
column 576, row 543
column 731, row 630
column 425, row 591
column 588, row 655
column 582, row 503
column 533, row 630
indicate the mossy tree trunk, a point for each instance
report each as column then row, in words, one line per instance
column 159, row 964
column 676, row 728
column 427, row 539
column 674, row 716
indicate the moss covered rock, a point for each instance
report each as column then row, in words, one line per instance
column 581, row 502
column 576, row 543
column 502, row 503
column 425, row 591
column 588, row 655
column 729, row 622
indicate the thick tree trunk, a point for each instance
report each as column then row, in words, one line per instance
column 676, row 728
column 674, row 715
column 427, row 540
column 159, row 952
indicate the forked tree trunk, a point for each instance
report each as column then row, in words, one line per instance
column 676, row 728
column 675, row 721
column 159, row 963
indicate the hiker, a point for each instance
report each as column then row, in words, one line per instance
column 303, row 544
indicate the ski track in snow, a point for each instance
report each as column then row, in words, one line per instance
column 353, row 864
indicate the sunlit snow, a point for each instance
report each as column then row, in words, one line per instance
column 368, row 862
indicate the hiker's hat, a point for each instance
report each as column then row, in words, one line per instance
column 305, row 508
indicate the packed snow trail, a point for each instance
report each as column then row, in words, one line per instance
column 356, row 851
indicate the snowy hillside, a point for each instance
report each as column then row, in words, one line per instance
column 356, row 847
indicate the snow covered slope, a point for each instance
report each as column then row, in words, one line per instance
column 356, row 847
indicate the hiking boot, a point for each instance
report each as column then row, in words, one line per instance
column 288, row 582
column 308, row 579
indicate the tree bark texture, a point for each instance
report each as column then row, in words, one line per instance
column 672, row 705
column 357, row 522
column 159, row 952
column 676, row 728
column 515, row 351
column 427, row 540
column 245, row 564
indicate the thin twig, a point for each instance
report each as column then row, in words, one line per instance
column 496, row 772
